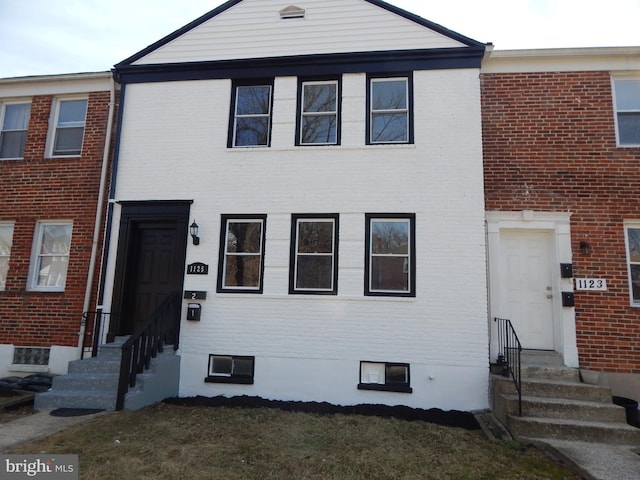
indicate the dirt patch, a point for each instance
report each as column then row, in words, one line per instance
column 449, row 418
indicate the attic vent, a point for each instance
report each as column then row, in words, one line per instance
column 291, row 12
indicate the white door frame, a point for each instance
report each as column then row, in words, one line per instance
column 559, row 225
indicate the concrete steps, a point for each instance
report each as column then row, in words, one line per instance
column 93, row 382
column 557, row 405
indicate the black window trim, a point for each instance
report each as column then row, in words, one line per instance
column 386, row 387
column 299, row 102
column 224, row 219
column 410, row 99
column 412, row 254
column 237, row 379
column 232, row 109
column 293, row 247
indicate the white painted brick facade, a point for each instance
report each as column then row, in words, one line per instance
column 173, row 146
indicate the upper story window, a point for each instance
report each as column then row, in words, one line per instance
column 627, row 103
column 14, row 119
column 390, row 255
column 69, row 124
column 389, row 116
column 319, row 113
column 251, row 122
column 241, row 262
column 50, row 258
column 314, row 254
column 6, row 238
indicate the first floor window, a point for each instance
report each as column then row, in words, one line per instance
column 50, row 260
column 230, row 369
column 252, row 116
column 632, row 234
column 69, row 127
column 319, row 113
column 627, row 104
column 314, row 254
column 241, row 253
column 386, row 376
column 390, row 254
column 389, row 103
column 13, row 136
column 6, row 238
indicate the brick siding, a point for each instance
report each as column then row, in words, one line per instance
column 549, row 145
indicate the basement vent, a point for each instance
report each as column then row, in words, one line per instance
column 291, row 12
column 31, row 356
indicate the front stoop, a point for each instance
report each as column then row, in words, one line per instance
column 557, row 405
column 93, row 382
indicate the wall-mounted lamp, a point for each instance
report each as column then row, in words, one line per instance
column 193, row 229
column 585, row 248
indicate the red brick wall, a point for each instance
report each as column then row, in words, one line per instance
column 549, row 144
column 38, row 188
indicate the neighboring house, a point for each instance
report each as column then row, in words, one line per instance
column 53, row 131
column 561, row 134
column 330, row 154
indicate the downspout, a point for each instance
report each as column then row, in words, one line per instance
column 98, row 221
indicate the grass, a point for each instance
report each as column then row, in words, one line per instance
column 184, row 442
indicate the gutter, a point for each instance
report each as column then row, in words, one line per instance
column 98, row 221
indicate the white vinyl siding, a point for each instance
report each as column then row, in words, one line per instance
column 348, row 23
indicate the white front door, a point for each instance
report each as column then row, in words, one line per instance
column 525, row 290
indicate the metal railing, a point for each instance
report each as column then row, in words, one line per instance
column 94, row 322
column 147, row 342
column 509, row 352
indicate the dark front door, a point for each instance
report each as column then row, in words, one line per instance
column 150, row 264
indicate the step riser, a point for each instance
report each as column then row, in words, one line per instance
column 53, row 400
column 95, row 365
column 526, row 428
column 95, row 382
column 551, row 373
column 597, row 412
column 548, row 389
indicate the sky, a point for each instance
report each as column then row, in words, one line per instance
column 42, row 37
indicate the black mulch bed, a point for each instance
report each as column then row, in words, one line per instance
column 450, row 418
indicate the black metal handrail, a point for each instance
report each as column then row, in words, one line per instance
column 93, row 322
column 146, row 343
column 509, row 352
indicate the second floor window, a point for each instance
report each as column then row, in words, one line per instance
column 389, row 115
column 69, row 127
column 251, row 116
column 319, row 113
column 13, row 136
column 627, row 103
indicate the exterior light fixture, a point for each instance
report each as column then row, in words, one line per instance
column 585, row 248
column 193, row 230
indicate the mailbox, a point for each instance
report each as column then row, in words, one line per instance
column 566, row 270
column 568, row 299
column 193, row 312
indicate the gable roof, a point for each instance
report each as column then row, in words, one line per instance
column 242, row 30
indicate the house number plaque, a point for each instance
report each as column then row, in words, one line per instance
column 198, row 268
column 599, row 284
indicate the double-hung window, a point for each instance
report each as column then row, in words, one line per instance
column 251, row 120
column 389, row 114
column 390, row 255
column 68, row 135
column 50, row 258
column 241, row 262
column 319, row 113
column 627, row 103
column 632, row 240
column 14, row 119
column 6, row 237
column 314, row 254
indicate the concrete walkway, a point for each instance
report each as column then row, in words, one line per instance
column 38, row 425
